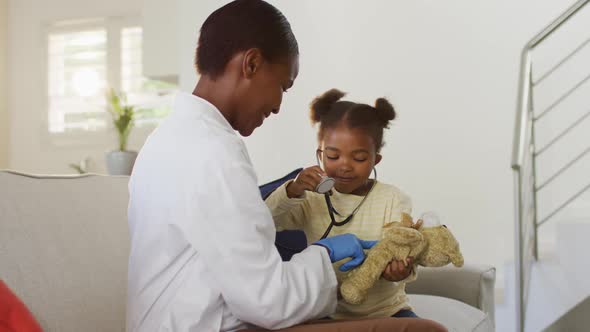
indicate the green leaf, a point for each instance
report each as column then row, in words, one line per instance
column 123, row 115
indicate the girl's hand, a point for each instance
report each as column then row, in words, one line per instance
column 398, row 270
column 307, row 179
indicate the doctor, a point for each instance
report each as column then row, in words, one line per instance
column 202, row 240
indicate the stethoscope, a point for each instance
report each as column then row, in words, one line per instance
column 324, row 187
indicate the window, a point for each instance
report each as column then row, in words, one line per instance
column 84, row 60
column 77, row 75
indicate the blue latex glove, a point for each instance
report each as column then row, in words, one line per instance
column 344, row 246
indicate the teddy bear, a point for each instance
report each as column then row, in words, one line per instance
column 430, row 245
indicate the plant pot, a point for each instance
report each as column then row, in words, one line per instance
column 120, row 162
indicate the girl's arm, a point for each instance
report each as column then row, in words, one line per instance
column 287, row 213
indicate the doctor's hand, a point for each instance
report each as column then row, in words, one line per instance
column 344, row 246
column 307, row 179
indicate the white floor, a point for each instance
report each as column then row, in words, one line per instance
column 505, row 303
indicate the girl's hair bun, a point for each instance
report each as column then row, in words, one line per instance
column 321, row 105
column 385, row 111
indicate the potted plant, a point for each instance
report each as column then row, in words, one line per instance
column 120, row 162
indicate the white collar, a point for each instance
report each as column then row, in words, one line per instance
column 189, row 104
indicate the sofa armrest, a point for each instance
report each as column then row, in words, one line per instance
column 471, row 284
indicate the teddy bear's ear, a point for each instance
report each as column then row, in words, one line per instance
column 406, row 220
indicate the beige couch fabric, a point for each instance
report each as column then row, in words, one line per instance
column 64, row 248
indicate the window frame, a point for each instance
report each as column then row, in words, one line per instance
column 102, row 136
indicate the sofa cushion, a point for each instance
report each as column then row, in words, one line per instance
column 454, row 315
column 472, row 284
column 64, row 247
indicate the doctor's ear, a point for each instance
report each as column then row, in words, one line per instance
column 251, row 63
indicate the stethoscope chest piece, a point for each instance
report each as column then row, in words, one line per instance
column 325, row 185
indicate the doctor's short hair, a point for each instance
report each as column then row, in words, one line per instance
column 241, row 25
column 331, row 112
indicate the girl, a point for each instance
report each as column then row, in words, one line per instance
column 350, row 137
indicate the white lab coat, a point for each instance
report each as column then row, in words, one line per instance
column 202, row 240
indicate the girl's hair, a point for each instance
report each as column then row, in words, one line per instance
column 241, row 25
column 330, row 112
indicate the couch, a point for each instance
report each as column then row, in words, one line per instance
column 64, row 247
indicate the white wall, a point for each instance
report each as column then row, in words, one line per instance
column 451, row 70
column 31, row 148
column 4, row 119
